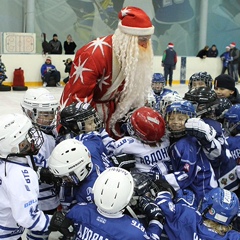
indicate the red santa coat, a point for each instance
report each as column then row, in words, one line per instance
column 95, row 78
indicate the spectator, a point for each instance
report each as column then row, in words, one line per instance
column 225, row 57
column 69, row 45
column 233, row 66
column 56, row 45
column 213, row 51
column 224, row 86
column 169, row 61
column 49, row 74
column 68, row 65
column 114, row 72
column 203, row 53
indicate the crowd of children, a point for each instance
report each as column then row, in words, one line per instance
column 76, row 179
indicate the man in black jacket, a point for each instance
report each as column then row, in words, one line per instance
column 56, row 45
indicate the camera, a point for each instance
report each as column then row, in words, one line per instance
column 67, row 61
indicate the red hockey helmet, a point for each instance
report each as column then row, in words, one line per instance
column 147, row 124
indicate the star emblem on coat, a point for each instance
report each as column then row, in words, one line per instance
column 99, row 42
column 102, row 82
column 79, row 69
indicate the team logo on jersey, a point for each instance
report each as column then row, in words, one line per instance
column 231, row 176
column 224, row 181
column 211, row 211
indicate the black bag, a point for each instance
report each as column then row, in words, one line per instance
column 46, row 46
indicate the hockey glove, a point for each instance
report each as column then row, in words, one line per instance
column 46, row 176
column 62, row 224
column 163, row 185
column 197, row 128
column 151, row 209
column 125, row 161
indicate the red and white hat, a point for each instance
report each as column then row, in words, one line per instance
column 233, row 44
column 170, row 45
column 48, row 58
column 134, row 21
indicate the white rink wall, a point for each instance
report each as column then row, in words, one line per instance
column 31, row 64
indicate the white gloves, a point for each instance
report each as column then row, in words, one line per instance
column 202, row 131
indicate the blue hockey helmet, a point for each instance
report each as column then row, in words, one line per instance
column 158, row 77
column 156, row 80
column 231, row 122
column 182, row 107
column 220, row 205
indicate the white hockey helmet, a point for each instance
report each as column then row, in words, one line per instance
column 71, row 160
column 18, row 136
column 40, row 106
column 113, row 190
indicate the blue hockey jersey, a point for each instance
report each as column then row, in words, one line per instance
column 191, row 167
column 83, row 192
column 183, row 222
column 90, row 224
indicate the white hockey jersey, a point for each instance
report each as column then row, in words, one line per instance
column 149, row 158
column 48, row 199
column 19, row 200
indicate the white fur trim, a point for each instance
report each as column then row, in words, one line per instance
column 136, row 31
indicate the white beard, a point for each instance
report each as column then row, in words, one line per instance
column 137, row 84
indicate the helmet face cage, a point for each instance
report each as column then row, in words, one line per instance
column 76, row 177
column 18, row 136
column 80, row 118
column 41, row 107
column 223, row 105
column 204, row 100
column 220, row 205
column 168, row 99
column 34, row 141
column 181, row 107
column 203, row 77
column 158, row 83
column 143, row 186
column 46, row 120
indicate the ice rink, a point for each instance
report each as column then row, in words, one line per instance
column 10, row 103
